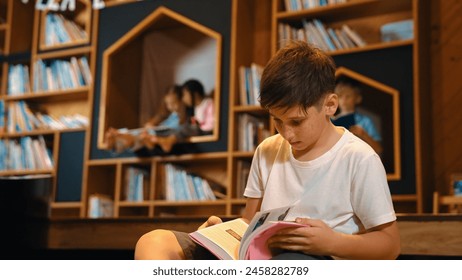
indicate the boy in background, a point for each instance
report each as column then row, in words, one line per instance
column 349, row 93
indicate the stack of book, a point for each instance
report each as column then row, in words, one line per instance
column 21, row 118
column 297, row 5
column 60, row 30
column 252, row 131
column 136, row 184
column 249, row 84
column 25, row 154
column 18, row 80
column 61, row 74
column 326, row 38
column 183, row 186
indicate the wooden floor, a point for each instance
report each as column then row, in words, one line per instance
column 421, row 235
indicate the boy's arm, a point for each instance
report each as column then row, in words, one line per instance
column 252, row 206
column 381, row 242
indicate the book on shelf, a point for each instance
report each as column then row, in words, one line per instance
column 100, row 206
column 60, row 30
column 58, row 74
column 2, row 116
column 252, row 130
column 345, row 41
column 397, row 30
column 354, row 36
column 325, row 36
column 184, row 186
column 297, row 5
column 249, row 84
column 18, row 80
column 136, row 184
column 237, row 240
column 25, row 154
column 256, row 71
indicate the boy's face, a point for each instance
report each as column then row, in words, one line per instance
column 348, row 98
column 301, row 129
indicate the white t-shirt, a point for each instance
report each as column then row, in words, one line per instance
column 346, row 187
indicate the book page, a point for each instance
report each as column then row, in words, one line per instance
column 222, row 239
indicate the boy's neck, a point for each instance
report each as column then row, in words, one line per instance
column 328, row 140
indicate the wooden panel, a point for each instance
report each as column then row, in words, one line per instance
column 108, row 234
column 446, row 59
column 431, row 238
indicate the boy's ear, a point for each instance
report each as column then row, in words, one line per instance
column 331, row 104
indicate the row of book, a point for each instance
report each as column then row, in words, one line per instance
column 252, row 131
column 25, row 154
column 61, row 74
column 316, row 33
column 297, row 5
column 183, row 186
column 249, row 84
column 59, row 30
column 20, row 118
column 136, row 184
column 49, row 75
column 18, row 79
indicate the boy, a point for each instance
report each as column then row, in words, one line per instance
column 349, row 94
column 335, row 180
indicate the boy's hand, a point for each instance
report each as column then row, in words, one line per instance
column 317, row 238
column 212, row 220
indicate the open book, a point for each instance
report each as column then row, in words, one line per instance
column 237, row 240
column 160, row 130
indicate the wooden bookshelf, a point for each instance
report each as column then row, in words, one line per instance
column 366, row 17
column 29, row 48
column 254, row 38
column 250, row 41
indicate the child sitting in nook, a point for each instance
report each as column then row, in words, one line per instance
column 349, row 94
column 171, row 116
column 201, row 112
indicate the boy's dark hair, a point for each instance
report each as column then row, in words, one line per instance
column 298, row 74
column 194, row 86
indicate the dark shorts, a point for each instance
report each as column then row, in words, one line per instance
column 193, row 251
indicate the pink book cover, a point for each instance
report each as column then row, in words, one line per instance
column 258, row 250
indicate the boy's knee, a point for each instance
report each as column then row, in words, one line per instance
column 158, row 244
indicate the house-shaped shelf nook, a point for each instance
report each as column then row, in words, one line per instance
column 381, row 104
column 163, row 49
